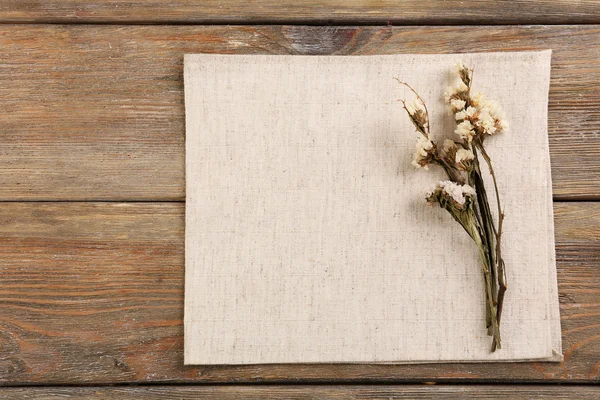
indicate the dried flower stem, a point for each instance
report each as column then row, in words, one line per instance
column 491, row 310
column 499, row 261
column 488, row 244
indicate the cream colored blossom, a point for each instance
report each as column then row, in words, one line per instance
column 449, row 145
column 449, row 150
column 457, row 104
column 477, row 99
column 463, row 157
column 495, row 109
column 423, row 147
column 453, row 190
column 497, row 113
column 468, row 113
column 458, row 88
column 414, row 106
column 468, row 190
column 492, row 118
column 486, row 121
column 465, row 131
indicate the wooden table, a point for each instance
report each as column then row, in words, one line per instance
column 92, row 189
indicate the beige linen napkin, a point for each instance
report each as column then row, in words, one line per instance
column 308, row 238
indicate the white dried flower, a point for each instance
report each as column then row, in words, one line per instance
column 468, row 190
column 414, row 106
column 423, row 148
column 486, row 121
column 468, row 113
column 456, row 89
column 449, row 145
column 477, row 99
column 497, row 113
column 460, row 86
column 463, row 157
column 465, row 131
column 457, row 104
column 460, row 66
column 495, row 109
column 453, row 190
column 492, row 117
column 449, row 150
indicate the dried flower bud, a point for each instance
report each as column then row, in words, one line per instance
column 486, row 122
column 460, row 87
column 414, row 105
column 418, row 114
column 477, row 99
column 464, row 72
column 448, row 193
column 449, row 145
column 463, row 159
column 458, row 91
column 424, row 152
column 465, row 131
column 466, row 114
column 457, row 104
column 490, row 119
column 449, row 150
column 497, row 114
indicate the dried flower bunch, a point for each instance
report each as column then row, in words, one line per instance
column 464, row 194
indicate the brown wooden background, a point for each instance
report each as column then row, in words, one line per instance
column 92, row 189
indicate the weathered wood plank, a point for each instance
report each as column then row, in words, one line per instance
column 302, row 392
column 312, row 11
column 96, row 112
column 93, row 293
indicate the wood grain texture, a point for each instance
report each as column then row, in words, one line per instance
column 310, row 11
column 93, row 293
column 301, row 392
column 97, row 113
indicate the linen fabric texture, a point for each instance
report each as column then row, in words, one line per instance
column 308, row 238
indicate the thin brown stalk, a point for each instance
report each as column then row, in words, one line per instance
column 422, row 101
column 478, row 218
column 468, row 220
column 494, row 328
column 486, row 218
column 502, row 286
